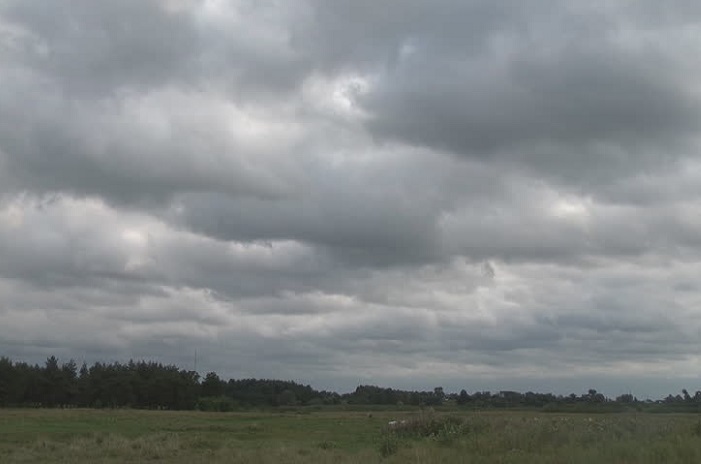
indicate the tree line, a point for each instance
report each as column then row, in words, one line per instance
column 152, row 385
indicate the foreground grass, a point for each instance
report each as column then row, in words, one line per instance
column 106, row 436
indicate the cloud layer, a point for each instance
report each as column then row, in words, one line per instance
column 473, row 194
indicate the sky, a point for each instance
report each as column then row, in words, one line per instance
column 476, row 194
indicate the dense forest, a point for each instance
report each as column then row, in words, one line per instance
column 152, row 385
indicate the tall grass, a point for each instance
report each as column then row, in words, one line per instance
column 83, row 436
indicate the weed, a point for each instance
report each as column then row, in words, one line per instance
column 697, row 429
column 389, row 444
column 327, row 445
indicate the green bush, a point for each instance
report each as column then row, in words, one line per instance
column 216, row 404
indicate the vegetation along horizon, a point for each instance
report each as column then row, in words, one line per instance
column 147, row 412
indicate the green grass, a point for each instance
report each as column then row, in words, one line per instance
column 127, row 436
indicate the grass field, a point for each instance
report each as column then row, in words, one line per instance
column 117, row 436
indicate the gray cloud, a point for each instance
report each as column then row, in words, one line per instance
column 85, row 47
column 576, row 91
column 475, row 194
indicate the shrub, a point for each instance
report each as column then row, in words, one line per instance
column 428, row 425
column 389, row 444
column 216, row 404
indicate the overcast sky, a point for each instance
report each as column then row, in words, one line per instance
column 411, row 193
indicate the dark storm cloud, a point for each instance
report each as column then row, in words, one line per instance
column 576, row 90
column 344, row 191
column 576, row 99
column 352, row 225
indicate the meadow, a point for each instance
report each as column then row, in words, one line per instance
column 337, row 436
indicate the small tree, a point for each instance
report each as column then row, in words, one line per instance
column 439, row 394
column 626, row 398
column 463, row 397
column 212, row 385
column 287, row 398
